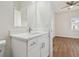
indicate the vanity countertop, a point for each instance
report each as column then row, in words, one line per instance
column 27, row 36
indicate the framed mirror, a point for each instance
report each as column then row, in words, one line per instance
column 20, row 13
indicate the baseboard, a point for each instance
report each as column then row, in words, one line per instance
column 67, row 37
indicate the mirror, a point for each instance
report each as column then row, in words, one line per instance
column 20, row 13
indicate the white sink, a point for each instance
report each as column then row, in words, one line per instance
column 27, row 35
column 33, row 33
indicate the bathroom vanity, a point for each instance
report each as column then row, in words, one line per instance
column 27, row 16
column 30, row 44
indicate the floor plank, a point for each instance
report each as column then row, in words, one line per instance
column 65, row 47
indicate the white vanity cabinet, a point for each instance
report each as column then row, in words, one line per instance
column 34, row 47
column 44, row 45
column 19, row 47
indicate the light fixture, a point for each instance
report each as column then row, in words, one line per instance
column 71, row 6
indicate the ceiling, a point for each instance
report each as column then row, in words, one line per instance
column 57, row 5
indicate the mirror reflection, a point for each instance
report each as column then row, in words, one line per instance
column 20, row 13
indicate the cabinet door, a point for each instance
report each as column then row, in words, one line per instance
column 18, row 48
column 33, row 48
column 44, row 46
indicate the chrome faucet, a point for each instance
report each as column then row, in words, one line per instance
column 30, row 29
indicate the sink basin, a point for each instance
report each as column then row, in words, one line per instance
column 32, row 33
column 27, row 36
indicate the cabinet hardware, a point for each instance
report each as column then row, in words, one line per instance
column 43, row 45
column 33, row 43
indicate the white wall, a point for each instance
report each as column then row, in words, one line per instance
column 63, row 24
column 39, row 16
column 43, row 16
column 31, row 16
column 6, row 22
column 6, row 18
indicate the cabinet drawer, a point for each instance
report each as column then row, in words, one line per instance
column 32, row 43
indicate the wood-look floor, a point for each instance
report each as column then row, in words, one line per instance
column 65, row 47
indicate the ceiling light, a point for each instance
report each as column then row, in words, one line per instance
column 71, row 6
